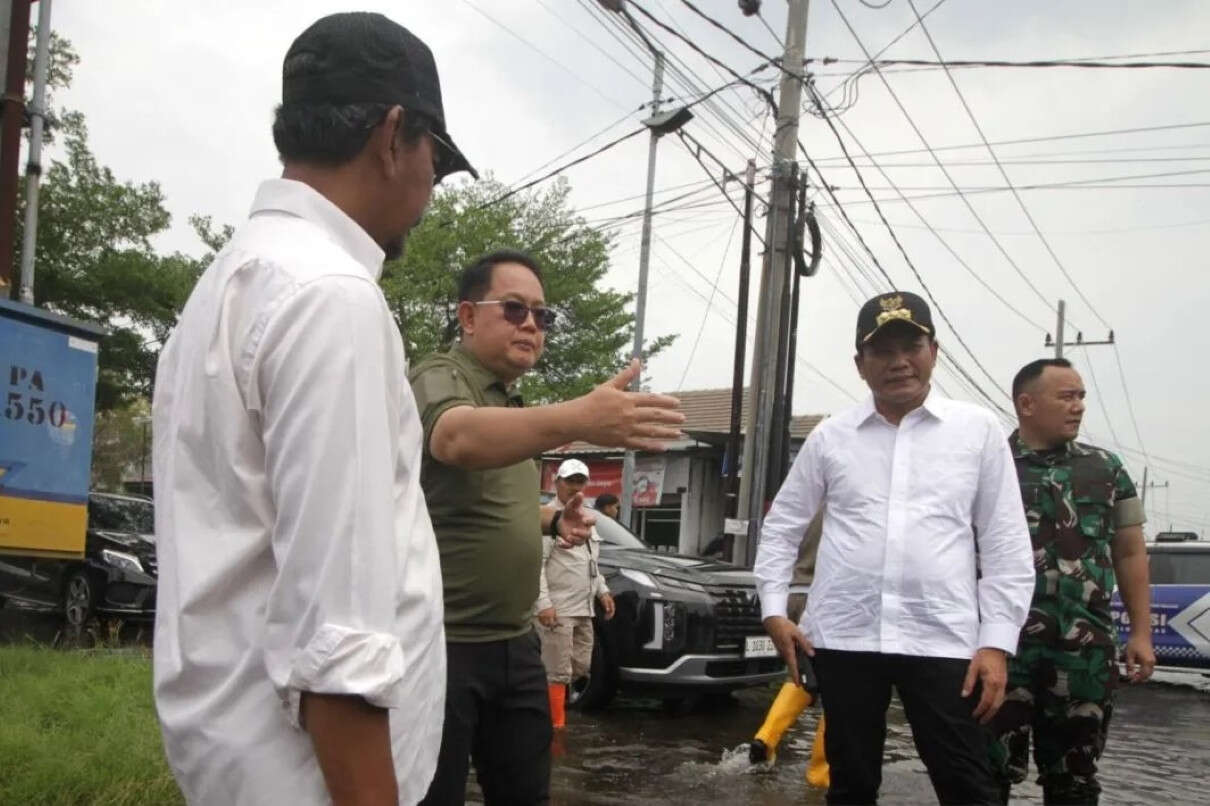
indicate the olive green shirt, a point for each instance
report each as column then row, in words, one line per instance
column 487, row 522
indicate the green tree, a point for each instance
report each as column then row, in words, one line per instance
column 593, row 336
column 94, row 257
column 121, row 449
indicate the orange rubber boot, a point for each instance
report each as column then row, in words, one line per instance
column 557, row 692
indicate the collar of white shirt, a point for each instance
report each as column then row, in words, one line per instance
column 303, row 201
column 934, row 404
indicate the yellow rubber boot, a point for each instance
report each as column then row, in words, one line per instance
column 817, row 768
column 790, row 702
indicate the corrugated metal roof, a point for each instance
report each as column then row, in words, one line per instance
column 707, row 411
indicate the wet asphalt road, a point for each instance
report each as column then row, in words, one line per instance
column 639, row 754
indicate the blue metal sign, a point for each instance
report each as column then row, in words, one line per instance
column 1180, row 624
column 48, row 374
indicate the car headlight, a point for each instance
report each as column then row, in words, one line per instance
column 676, row 584
column 122, row 561
column 639, row 577
column 657, row 582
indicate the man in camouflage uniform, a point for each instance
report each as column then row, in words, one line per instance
column 1085, row 521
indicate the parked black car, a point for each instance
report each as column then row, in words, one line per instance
column 116, row 577
column 683, row 626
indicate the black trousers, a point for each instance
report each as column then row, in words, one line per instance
column 496, row 713
column 856, row 691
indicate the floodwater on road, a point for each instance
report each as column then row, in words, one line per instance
column 639, row 754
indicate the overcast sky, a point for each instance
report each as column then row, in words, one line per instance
column 183, row 93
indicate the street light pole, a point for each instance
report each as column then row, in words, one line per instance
column 640, row 300
column 659, row 124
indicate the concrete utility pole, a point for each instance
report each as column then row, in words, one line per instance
column 741, row 340
column 1060, row 344
column 1059, row 329
column 778, row 263
column 33, row 168
column 14, row 40
column 1149, row 485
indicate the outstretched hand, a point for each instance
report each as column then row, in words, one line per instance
column 614, row 417
column 575, row 525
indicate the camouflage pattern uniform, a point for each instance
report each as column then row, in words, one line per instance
column 1060, row 683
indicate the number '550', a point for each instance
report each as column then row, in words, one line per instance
column 34, row 411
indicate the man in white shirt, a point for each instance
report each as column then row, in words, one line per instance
column 299, row 649
column 917, row 488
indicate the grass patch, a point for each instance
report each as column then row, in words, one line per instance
column 79, row 727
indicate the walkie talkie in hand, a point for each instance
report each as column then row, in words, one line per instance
column 806, row 670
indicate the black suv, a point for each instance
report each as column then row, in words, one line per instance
column 116, row 577
column 684, row 625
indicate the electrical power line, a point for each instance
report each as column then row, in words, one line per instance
column 946, row 359
column 705, row 315
column 591, row 41
column 637, row 49
column 941, row 166
column 1020, row 202
column 1039, row 63
column 776, row 38
column 1038, row 231
column 573, row 149
column 906, row 258
column 683, row 72
column 545, row 55
column 561, row 169
column 1043, row 139
column 692, row 46
column 977, row 276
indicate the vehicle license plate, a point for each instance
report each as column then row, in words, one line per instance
column 759, row 646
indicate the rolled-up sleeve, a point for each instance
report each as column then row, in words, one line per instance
column 324, row 385
column 785, row 526
column 1006, row 582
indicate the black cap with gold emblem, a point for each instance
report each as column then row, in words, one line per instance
column 897, row 306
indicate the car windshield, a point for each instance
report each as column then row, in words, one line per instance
column 1180, row 567
column 616, row 534
column 120, row 514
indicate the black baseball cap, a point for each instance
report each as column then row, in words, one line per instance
column 886, row 309
column 363, row 57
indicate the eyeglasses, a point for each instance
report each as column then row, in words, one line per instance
column 516, row 312
column 442, row 158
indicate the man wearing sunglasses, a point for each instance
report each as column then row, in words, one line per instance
column 481, row 484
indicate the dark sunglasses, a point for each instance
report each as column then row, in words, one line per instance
column 443, row 157
column 515, row 312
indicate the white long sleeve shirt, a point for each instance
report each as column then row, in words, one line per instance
column 295, row 550
column 896, row 571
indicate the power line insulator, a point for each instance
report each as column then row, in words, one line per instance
column 749, row 7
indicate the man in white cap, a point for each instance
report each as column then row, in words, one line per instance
column 568, row 586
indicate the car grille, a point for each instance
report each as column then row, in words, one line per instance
column 736, row 616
